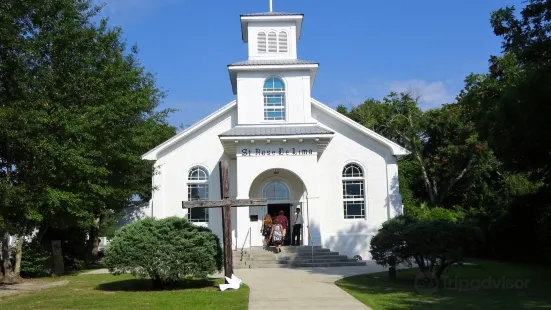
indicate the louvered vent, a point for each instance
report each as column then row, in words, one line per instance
column 272, row 42
column 283, row 42
column 262, row 42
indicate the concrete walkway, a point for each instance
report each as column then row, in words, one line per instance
column 312, row 288
column 304, row 288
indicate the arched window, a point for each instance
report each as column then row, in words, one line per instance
column 274, row 99
column 353, row 190
column 283, row 42
column 276, row 190
column 198, row 189
column 272, row 42
column 261, row 42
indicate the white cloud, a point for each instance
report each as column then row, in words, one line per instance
column 432, row 94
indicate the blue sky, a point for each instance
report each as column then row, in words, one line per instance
column 365, row 48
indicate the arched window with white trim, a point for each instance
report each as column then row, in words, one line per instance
column 274, row 99
column 353, row 190
column 198, row 189
column 276, row 191
column 261, row 38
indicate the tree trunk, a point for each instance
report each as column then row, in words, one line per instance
column 18, row 254
column 57, row 258
column 433, row 195
column 7, row 271
column 93, row 242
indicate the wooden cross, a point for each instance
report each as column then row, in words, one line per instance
column 226, row 204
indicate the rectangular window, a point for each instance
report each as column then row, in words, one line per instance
column 354, row 199
column 198, row 192
column 274, row 107
column 354, row 210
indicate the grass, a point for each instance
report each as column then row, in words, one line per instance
column 526, row 287
column 127, row 292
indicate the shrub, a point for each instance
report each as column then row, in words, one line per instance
column 433, row 245
column 424, row 212
column 166, row 250
column 35, row 261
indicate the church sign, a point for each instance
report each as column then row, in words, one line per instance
column 280, row 151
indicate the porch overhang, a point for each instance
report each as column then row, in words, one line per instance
column 232, row 139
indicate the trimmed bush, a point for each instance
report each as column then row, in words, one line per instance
column 433, row 245
column 166, row 250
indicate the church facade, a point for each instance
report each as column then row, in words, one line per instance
column 284, row 146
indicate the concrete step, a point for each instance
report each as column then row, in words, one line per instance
column 291, row 257
column 284, row 249
column 295, row 258
column 300, row 265
column 337, row 258
column 287, row 252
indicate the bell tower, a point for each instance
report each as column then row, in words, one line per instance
column 272, row 86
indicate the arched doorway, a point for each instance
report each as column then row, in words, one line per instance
column 284, row 191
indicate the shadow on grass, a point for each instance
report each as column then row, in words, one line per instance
column 145, row 285
column 461, row 288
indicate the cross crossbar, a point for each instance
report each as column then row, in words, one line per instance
column 224, row 202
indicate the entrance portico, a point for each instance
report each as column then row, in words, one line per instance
column 292, row 153
column 284, row 191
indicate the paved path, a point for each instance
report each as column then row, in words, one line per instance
column 312, row 288
column 308, row 288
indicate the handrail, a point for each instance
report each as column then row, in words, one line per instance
column 245, row 242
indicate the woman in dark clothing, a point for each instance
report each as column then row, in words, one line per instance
column 266, row 228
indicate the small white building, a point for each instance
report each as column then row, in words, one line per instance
column 282, row 145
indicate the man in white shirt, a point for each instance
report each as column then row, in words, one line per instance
column 297, row 227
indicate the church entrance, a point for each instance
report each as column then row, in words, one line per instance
column 283, row 191
column 274, row 209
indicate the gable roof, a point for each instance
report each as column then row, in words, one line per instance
column 152, row 154
column 396, row 149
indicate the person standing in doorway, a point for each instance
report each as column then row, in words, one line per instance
column 283, row 222
column 297, row 227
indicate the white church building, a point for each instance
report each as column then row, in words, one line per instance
column 282, row 145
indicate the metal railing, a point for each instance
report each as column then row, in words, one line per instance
column 245, row 242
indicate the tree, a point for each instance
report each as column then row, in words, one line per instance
column 433, row 244
column 82, row 110
column 445, row 147
column 167, row 251
column 511, row 101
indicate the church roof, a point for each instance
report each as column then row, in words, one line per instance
column 273, row 62
column 272, row 14
column 256, row 131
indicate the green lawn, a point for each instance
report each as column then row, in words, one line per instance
column 462, row 287
column 126, row 292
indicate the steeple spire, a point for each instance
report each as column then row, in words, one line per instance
column 271, row 6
